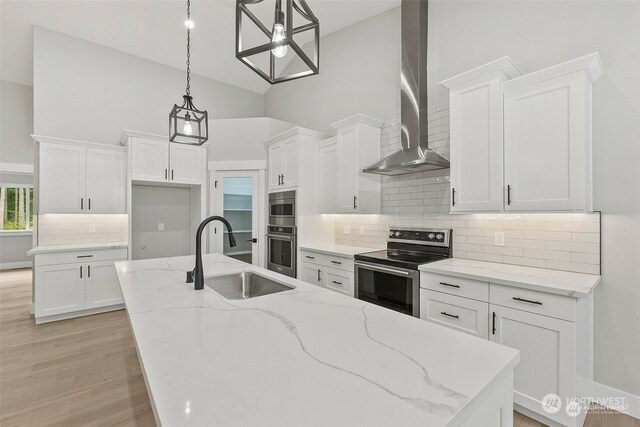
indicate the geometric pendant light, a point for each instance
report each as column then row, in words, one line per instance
column 187, row 124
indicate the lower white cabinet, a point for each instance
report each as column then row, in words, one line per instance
column 70, row 284
column 554, row 334
column 329, row 271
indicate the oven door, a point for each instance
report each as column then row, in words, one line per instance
column 281, row 255
column 391, row 287
column 282, row 211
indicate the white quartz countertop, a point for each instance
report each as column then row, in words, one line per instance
column 303, row 357
column 541, row 279
column 337, row 249
column 71, row 248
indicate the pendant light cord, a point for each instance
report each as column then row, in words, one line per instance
column 188, row 49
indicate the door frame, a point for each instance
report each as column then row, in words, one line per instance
column 242, row 166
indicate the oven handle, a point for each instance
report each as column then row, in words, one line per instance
column 383, row 269
column 279, row 236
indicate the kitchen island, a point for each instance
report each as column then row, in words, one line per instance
column 303, row 357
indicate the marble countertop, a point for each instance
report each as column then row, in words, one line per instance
column 541, row 279
column 337, row 249
column 303, row 357
column 77, row 247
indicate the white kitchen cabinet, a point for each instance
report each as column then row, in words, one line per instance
column 76, row 283
column 547, row 138
column 149, row 160
column 343, row 187
column 476, row 136
column 547, row 356
column 522, row 142
column 553, row 332
column 284, row 163
column 333, row 272
column 102, row 287
column 59, row 289
column 310, row 273
column 276, row 165
column 80, row 177
column 154, row 159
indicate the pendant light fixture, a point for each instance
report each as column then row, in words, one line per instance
column 270, row 58
column 187, row 124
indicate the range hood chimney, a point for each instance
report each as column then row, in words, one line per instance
column 415, row 155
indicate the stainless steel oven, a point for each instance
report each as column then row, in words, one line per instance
column 282, row 208
column 392, row 287
column 282, row 248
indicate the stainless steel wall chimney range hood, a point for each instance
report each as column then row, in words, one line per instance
column 415, row 155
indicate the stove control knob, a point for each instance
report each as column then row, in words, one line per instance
column 431, row 236
column 439, row 236
column 398, row 234
column 391, row 234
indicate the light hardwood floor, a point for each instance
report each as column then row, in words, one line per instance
column 85, row 371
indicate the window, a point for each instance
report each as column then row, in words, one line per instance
column 16, row 208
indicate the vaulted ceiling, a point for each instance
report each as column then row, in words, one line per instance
column 154, row 30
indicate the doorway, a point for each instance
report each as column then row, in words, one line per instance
column 237, row 198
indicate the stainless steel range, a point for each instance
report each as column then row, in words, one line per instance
column 390, row 278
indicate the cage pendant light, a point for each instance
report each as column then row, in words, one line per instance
column 282, row 38
column 187, row 124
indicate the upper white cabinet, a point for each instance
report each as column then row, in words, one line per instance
column 80, row 177
column 522, row 143
column 476, row 136
column 342, row 186
column 289, row 156
column 155, row 159
column 547, row 138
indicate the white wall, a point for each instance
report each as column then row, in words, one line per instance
column 90, row 92
column 463, row 35
column 359, row 73
column 16, row 123
column 13, row 251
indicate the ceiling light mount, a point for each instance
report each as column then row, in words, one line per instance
column 279, row 39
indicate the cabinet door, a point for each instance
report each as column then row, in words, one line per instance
column 149, row 160
column 62, row 178
column 106, row 181
column 186, row 164
column 276, row 165
column 338, row 280
column 476, row 148
column 462, row 314
column 547, row 145
column 311, row 273
column 102, row 286
column 547, row 356
column 59, row 289
column 291, row 162
column 327, row 176
column 347, row 170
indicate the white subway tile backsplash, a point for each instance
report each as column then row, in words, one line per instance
column 71, row 229
column 561, row 241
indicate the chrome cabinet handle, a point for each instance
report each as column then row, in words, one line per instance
column 81, row 272
column 310, row 257
column 84, row 256
column 493, row 331
column 508, row 194
column 171, row 174
column 449, row 284
column 318, row 275
column 336, row 262
column 455, row 316
column 88, row 271
column 165, row 174
column 527, row 300
column 336, row 282
column 81, row 203
column 453, row 197
column 355, row 199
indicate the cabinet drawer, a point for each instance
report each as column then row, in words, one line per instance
column 314, row 257
column 467, row 288
column 339, row 280
column 81, row 256
column 338, row 262
column 462, row 314
column 552, row 305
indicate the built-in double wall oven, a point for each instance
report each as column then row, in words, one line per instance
column 281, row 235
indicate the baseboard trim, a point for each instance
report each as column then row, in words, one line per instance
column 15, row 265
column 81, row 313
column 604, row 391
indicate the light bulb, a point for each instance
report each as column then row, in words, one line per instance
column 187, row 129
column 278, row 34
column 189, row 24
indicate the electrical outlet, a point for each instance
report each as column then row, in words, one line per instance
column 161, row 226
column 362, row 230
column 498, row 238
column 346, row 229
column 92, row 228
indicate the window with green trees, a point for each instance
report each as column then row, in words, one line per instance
column 16, row 207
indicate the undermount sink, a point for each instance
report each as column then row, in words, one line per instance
column 245, row 285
